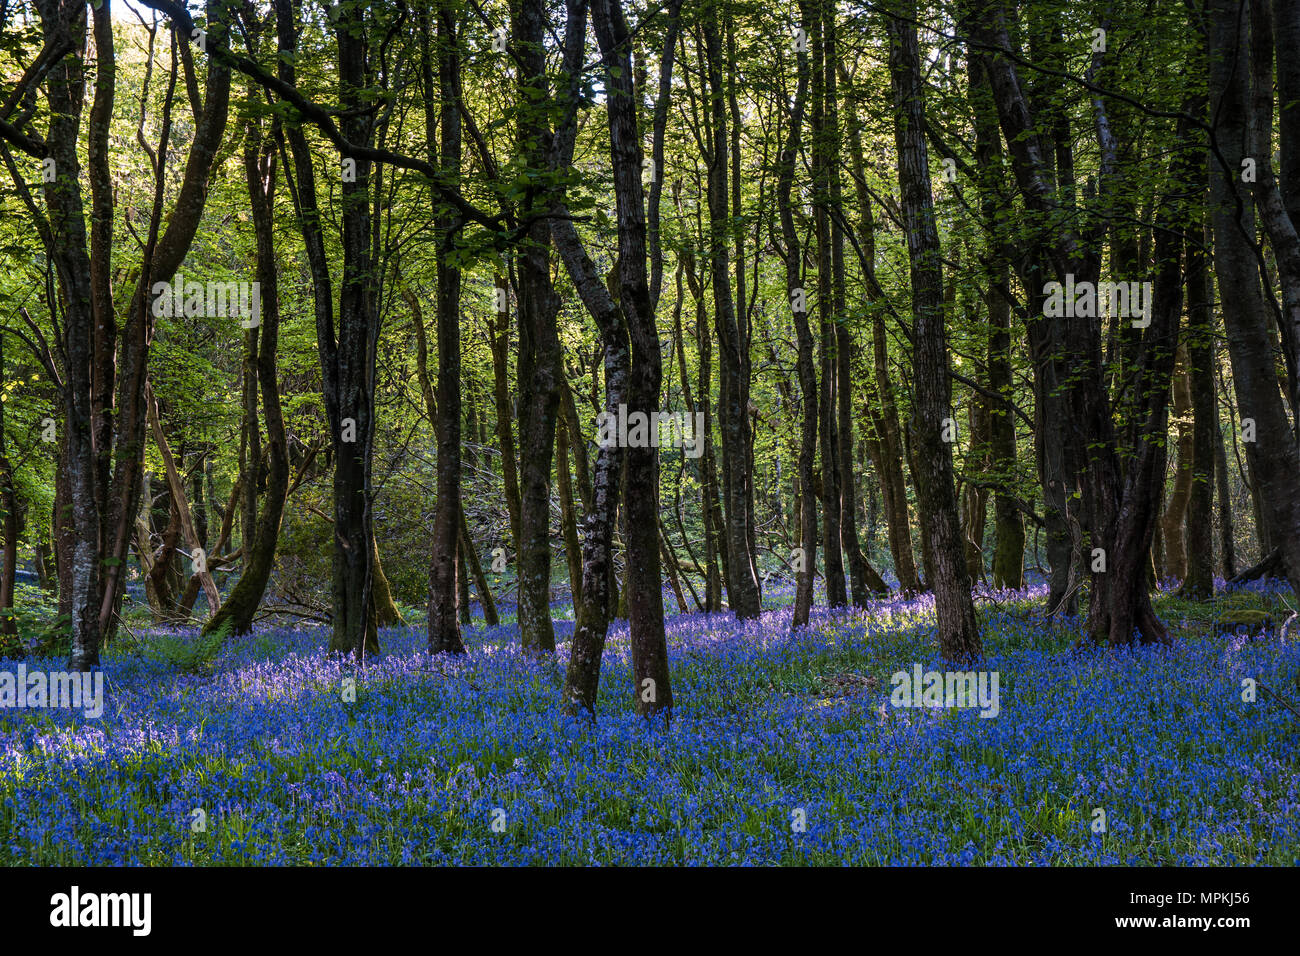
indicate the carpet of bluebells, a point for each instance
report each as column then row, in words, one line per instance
column 768, row 722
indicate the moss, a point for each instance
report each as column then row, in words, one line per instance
column 1251, row 620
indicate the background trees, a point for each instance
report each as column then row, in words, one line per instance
column 826, row 234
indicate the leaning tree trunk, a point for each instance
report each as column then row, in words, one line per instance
column 582, row 680
column 261, row 535
column 161, row 259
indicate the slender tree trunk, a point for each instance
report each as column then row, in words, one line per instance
column 261, row 533
column 568, row 514
column 462, row 584
column 164, row 252
column 500, row 340
column 1171, row 522
column 1266, row 191
column 68, row 253
column 444, row 625
column 884, row 442
column 715, row 545
column 864, row 578
column 1009, row 528
column 582, row 679
column 1227, row 533
column 825, row 159
column 742, row 576
column 959, row 636
column 9, row 517
column 1032, row 154
column 467, row 549
column 806, row 557
column 347, row 356
column 1198, row 530
column 385, row 612
column 177, row 489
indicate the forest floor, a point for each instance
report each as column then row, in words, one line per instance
column 783, row 748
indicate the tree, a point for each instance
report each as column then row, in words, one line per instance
column 959, row 636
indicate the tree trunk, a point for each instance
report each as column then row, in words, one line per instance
column 568, row 514
column 1009, row 528
column 500, row 340
column 444, row 625
column 959, row 636
column 864, row 578
column 884, row 443
column 1227, row 532
column 177, row 489
column 825, row 156
column 539, row 344
column 1171, row 522
column 805, row 564
column 467, row 549
column 650, row 673
column 582, row 679
column 9, row 516
column 261, row 533
column 1272, row 456
column 742, row 576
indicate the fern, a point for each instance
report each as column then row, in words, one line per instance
column 190, row 656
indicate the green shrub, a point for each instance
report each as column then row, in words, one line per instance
column 188, row 654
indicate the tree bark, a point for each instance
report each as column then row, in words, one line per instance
column 1171, row 522
column 261, row 533
column 582, row 679
column 825, row 156
column 444, row 625
column 806, row 557
column 9, row 517
column 539, row 344
column 651, row 681
column 568, row 514
column 742, row 576
column 500, row 341
column 177, row 489
column 1272, row 456
column 959, row 636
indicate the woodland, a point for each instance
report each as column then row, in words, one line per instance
column 605, row 397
